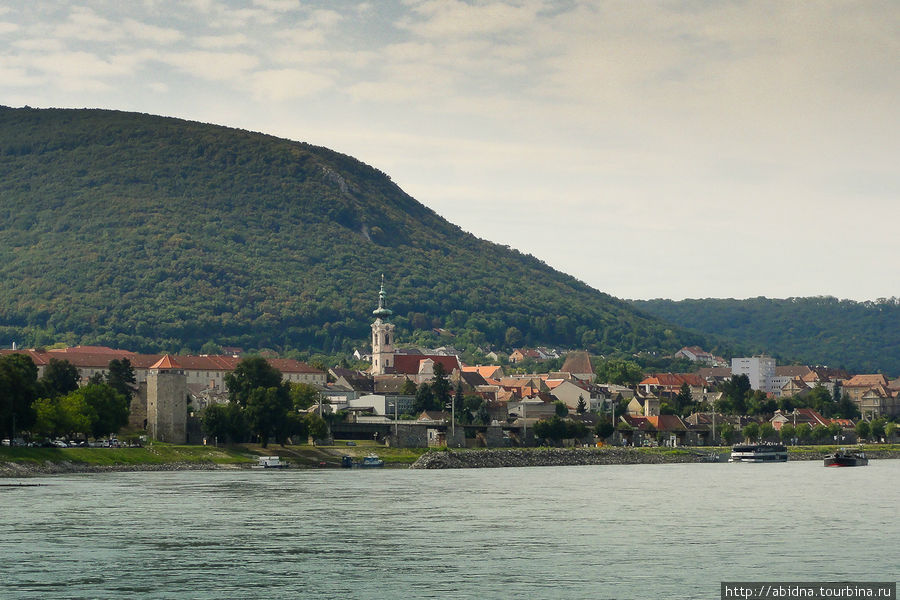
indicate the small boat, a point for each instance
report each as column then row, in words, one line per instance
column 372, row 461
column 270, row 462
column 758, row 453
column 846, row 458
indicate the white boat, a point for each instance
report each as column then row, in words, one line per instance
column 270, row 462
column 758, row 453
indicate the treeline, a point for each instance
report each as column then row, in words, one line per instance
column 55, row 406
column 858, row 336
column 262, row 407
column 161, row 235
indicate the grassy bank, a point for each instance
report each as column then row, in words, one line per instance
column 156, row 454
column 43, row 460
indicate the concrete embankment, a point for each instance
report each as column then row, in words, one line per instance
column 557, row 457
column 554, row 457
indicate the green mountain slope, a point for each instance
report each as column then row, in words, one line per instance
column 860, row 336
column 154, row 233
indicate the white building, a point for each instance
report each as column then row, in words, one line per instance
column 760, row 370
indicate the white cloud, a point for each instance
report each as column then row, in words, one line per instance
column 279, row 85
column 217, row 42
column 278, row 5
column 152, row 33
column 40, row 44
column 454, row 18
column 7, row 27
column 85, row 24
column 212, row 66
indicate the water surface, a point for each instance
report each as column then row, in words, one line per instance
column 629, row 531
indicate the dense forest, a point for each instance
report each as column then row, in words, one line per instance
column 157, row 234
column 859, row 336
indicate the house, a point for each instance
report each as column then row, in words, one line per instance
column 797, row 417
column 537, row 354
column 643, row 404
column 668, row 385
column 879, row 401
column 569, row 392
column 350, row 379
column 697, row 354
column 487, row 371
column 578, row 364
column 673, row 429
column 858, row 385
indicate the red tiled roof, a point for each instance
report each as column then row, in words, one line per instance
column 867, row 381
column 166, row 362
column 408, row 364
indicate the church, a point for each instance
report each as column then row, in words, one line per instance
column 386, row 360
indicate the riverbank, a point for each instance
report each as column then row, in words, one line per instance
column 608, row 455
column 31, row 462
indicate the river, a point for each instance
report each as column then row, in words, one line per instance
column 621, row 532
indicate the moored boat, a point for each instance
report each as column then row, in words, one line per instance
column 846, row 458
column 758, row 453
column 270, row 462
column 372, row 461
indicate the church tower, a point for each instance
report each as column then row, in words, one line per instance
column 382, row 337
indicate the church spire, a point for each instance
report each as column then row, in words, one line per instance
column 381, row 311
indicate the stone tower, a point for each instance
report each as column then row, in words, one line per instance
column 167, row 401
column 382, row 337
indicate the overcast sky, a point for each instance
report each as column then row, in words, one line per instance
column 651, row 149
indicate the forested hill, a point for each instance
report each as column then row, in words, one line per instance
column 860, row 336
column 157, row 234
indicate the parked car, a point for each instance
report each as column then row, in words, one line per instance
column 60, row 444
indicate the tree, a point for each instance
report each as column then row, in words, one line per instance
column 847, row 408
column 889, row 430
column 236, row 429
column 876, row 429
column 18, row 391
column 618, row 371
column 820, row 433
column 560, row 408
column 787, row 433
column 727, row 433
column 267, row 410
column 684, row 400
column 751, row 431
column 767, row 432
column 303, row 395
column 803, row 432
column 604, row 429
column 553, row 429
column 735, row 394
column 482, row 416
column 251, row 373
column 409, row 388
column 108, row 408
column 863, row 429
column 316, row 426
column 121, row 377
column 513, row 337
column 440, row 387
column 581, row 408
column 214, row 422
column 424, row 399
column 60, row 377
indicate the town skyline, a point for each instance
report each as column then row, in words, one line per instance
column 752, row 146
